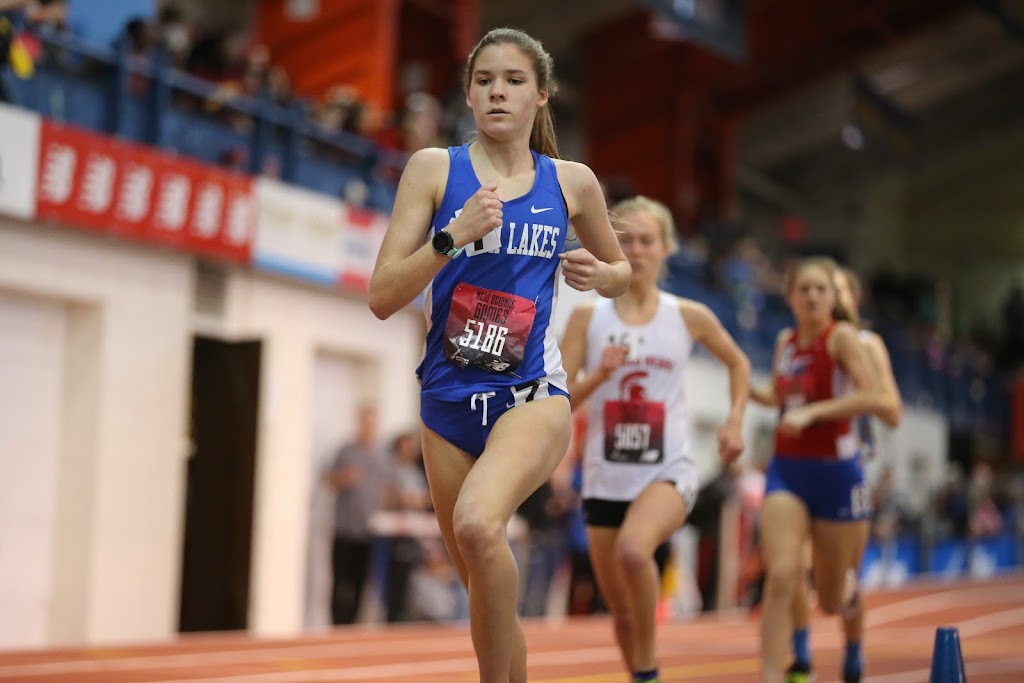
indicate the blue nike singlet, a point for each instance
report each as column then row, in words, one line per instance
column 489, row 310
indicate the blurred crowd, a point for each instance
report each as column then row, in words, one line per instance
column 240, row 70
column 241, row 67
column 385, row 542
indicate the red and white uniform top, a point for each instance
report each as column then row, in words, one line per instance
column 807, row 374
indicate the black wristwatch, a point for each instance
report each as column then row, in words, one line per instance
column 444, row 244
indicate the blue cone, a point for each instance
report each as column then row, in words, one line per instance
column 947, row 660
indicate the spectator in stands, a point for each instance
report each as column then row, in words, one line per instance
column 340, row 111
column 139, row 38
column 548, row 513
column 209, row 58
column 137, row 41
column 417, row 126
column 435, row 592
column 407, row 493
column 745, row 272
column 279, row 86
column 984, row 517
column 1014, row 507
column 544, row 547
column 6, row 43
column 1013, row 326
column 419, row 123
column 48, row 18
column 357, row 477
column 584, row 596
column 171, row 31
column 255, row 72
column 887, row 508
column 950, row 505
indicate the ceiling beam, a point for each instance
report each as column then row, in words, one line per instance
column 786, row 54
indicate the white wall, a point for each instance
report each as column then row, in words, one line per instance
column 108, row 463
column 115, row 499
column 33, row 335
column 301, row 326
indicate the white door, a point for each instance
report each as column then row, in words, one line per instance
column 336, row 395
column 33, row 335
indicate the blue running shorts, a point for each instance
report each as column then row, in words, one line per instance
column 466, row 424
column 832, row 489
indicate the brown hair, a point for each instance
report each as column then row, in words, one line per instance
column 542, row 137
column 856, row 286
column 853, row 282
column 830, row 267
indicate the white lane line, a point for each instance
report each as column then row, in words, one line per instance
column 387, row 671
column 935, row 602
column 991, row 622
column 340, row 649
column 976, row 627
column 930, row 602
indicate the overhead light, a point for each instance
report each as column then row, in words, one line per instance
column 852, row 136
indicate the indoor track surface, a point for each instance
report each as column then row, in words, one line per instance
column 901, row 633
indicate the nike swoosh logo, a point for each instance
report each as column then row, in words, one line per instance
column 534, row 209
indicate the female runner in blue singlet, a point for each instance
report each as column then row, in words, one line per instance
column 480, row 228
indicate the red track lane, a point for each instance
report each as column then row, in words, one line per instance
column 901, row 632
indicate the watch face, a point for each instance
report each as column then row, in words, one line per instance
column 443, row 242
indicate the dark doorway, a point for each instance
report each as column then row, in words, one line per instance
column 219, row 490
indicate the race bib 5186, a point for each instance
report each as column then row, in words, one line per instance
column 487, row 328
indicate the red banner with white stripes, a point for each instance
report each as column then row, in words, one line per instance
column 101, row 184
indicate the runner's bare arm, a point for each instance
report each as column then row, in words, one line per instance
column 707, row 329
column 892, row 411
column 601, row 264
column 765, row 394
column 574, row 357
column 406, row 261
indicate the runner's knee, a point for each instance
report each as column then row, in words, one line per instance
column 830, row 598
column 782, row 578
column 477, row 533
column 633, row 556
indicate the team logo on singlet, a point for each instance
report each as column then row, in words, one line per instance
column 796, row 379
column 790, row 363
column 488, row 244
column 524, row 239
column 634, row 427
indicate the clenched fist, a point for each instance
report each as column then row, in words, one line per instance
column 582, row 270
column 481, row 214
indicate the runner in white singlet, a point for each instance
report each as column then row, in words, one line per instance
column 639, row 478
